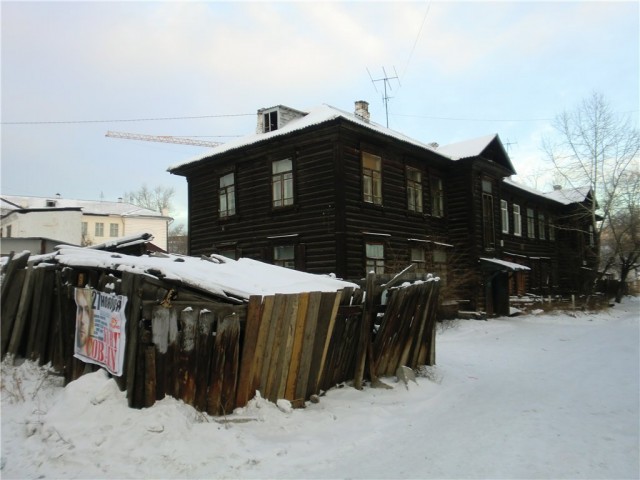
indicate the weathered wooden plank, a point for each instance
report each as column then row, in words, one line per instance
column 130, row 285
column 24, row 307
column 224, row 367
column 296, row 347
column 160, row 320
column 204, row 341
column 308, row 342
column 150, row 375
column 277, row 349
column 327, row 301
column 57, row 356
column 43, row 344
column 427, row 293
column 269, row 345
column 261, row 342
column 329, row 334
column 38, row 278
column 284, row 362
column 365, row 332
column 231, row 339
column 12, row 290
column 186, row 355
column 248, row 361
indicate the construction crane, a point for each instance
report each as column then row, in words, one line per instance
column 162, row 138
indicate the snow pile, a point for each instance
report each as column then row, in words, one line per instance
column 546, row 396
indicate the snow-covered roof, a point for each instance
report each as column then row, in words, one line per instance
column 89, row 207
column 563, row 196
column 315, row 116
column 515, row 267
column 570, row 195
column 223, row 277
column 467, row 148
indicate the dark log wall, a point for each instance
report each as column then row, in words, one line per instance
column 311, row 220
column 461, row 207
column 329, row 222
column 392, row 220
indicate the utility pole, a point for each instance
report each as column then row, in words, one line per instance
column 386, row 84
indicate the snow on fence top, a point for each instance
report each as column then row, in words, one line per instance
column 221, row 276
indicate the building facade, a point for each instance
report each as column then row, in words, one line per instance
column 79, row 222
column 328, row 191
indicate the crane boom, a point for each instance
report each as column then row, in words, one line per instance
column 161, row 138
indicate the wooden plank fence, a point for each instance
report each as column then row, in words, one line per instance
column 216, row 355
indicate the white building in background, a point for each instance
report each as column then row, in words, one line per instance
column 78, row 222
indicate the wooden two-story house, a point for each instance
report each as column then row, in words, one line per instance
column 329, row 191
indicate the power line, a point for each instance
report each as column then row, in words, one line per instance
column 424, row 19
column 157, row 119
column 476, row 119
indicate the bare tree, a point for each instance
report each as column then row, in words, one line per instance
column 157, row 199
column 595, row 147
column 621, row 239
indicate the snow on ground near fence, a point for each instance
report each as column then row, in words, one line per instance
column 549, row 396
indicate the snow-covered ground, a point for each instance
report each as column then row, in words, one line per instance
column 547, row 396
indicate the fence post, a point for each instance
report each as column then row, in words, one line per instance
column 365, row 332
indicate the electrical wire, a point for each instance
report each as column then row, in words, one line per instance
column 65, row 122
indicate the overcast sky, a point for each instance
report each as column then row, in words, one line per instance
column 465, row 69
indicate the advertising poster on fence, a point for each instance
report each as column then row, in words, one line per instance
column 100, row 329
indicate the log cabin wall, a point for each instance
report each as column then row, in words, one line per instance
column 390, row 223
column 257, row 226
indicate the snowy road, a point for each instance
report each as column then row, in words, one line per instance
column 549, row 396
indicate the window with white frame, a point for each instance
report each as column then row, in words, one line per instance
column 99, row 230
column 282, row 182
column 85, row 228
column 531, row 223
column 270, row 121
column 517, row 221
column 371, row 178
column 414, row 190
column 374, row 252
column 227, row 196
column 113, row 229
column 504, row 209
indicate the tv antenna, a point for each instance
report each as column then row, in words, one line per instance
column 508, row 144
column 386, row 85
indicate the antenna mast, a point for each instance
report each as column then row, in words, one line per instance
column 386, row 84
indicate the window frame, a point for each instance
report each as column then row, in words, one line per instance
column 531, row 223
column 99, row 229
column 415, row 201
column 285, row 262
column 281, row 181
column 270, row 121
column 114, row 227
column 228, row 193
column 420, row 263
column 375, row 263
column 488, row 222
column 504, row 215
column 436, row 194
column 517, row 220
column 371, row 178
column 541, row 226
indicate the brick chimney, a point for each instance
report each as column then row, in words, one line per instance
column 362, row 110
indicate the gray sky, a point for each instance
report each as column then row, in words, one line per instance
column 466, row 69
